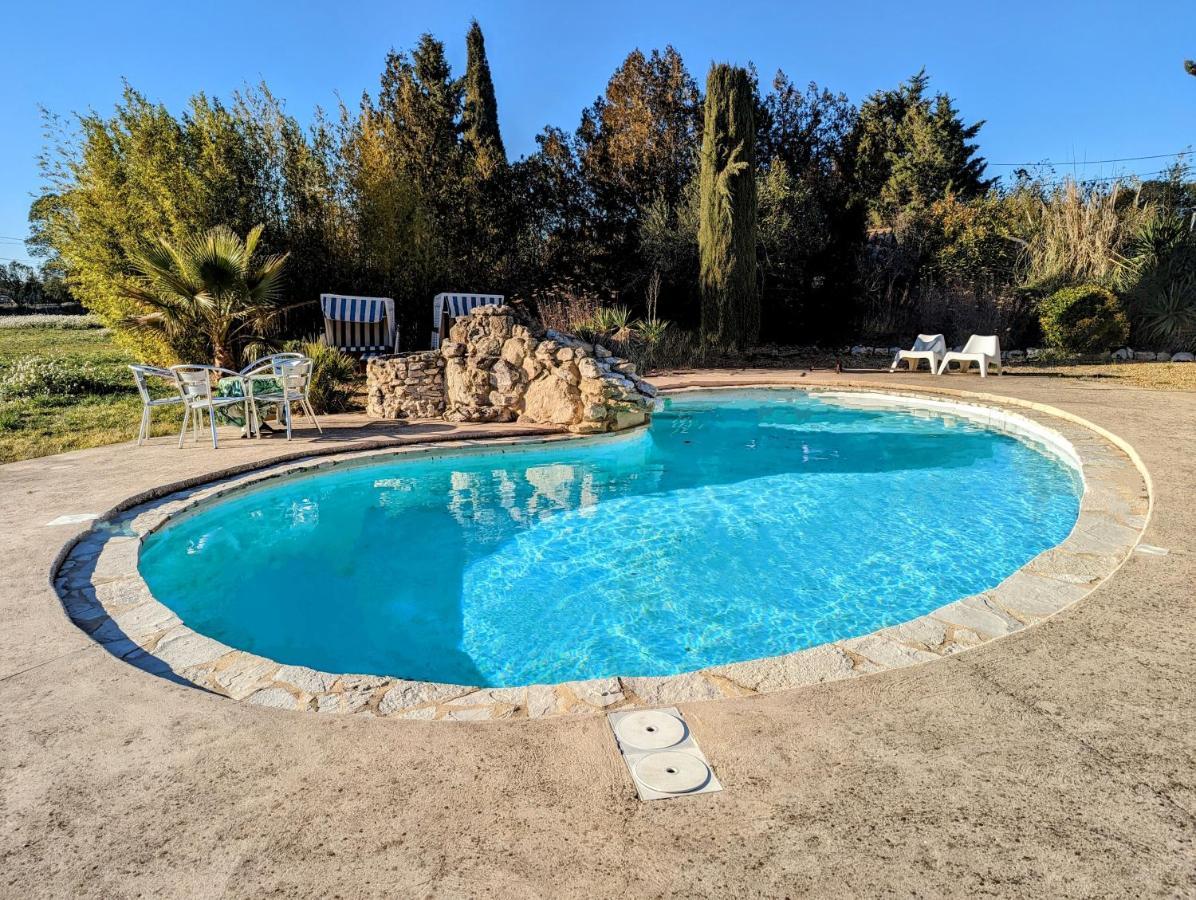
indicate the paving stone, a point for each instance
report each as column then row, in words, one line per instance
column 924, row 631
column 274, row 698
column 146, row 619
column 117, row 560
column 470, row 714
column 427, row 712
column 417, row 693
column 1032, row 598
column 813, row 666
column 346, row 702
column 146, row 661
column 491, row 696
column 244, row 675
column 671, row 689
column 1064, row 564
column 979, row 616
column 364, row 682
column 119, row 593
column 544, row 700
column 600, row 692
column 887, row 653
column 106, row 631
column 187, row 648
column 310, row 681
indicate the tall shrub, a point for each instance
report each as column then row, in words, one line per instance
column 727, row 211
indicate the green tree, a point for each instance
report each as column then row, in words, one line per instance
column 1190, row 66
column 913, row 150
column 811, row 227
column 635, row 145
column 727, row 211
column 479, row 120
column 404, row 169
column 208, row 293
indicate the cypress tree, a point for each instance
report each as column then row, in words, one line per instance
column 479, row 120
column 727, row 211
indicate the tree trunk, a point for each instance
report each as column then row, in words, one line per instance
column 222, row 356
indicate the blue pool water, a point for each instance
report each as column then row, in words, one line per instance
column 740, row 525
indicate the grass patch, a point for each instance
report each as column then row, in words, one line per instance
column 94, row 345
column 1157, row 376
column 38, row 426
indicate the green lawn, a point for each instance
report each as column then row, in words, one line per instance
column 32, row 427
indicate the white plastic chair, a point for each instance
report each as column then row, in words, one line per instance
column 195, row 382
column 984, row 350
column 274, row 360
column 929, row 347
column 267, row 367
column 141, row 375
column 293, row 378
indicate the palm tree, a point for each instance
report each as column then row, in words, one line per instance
column 209, row 288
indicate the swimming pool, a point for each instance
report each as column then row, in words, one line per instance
column 740, row 525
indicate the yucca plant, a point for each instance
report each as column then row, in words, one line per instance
column 1159, row 274
column 1168, row 317
column 612, row 320
column 210, row 289
column 650, row 331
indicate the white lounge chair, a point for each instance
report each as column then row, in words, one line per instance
column 142, row 374
column 983, row 350
column 929, row 347
column 360, row 326
column 446, row 307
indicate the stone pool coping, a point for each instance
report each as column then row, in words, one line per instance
column 104, row 594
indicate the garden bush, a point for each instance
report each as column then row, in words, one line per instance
column 1083, row 319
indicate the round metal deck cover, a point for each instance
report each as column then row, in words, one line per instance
column 650, row 729
column 672, row 772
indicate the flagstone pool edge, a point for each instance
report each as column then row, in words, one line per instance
column 104, row 594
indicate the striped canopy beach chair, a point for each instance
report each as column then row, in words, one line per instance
column 446, row 307
column 361, row 326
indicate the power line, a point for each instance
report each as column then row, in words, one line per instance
column 1125, row 176
column 1091, row 162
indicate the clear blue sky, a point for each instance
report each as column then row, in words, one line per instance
column 1054, row 80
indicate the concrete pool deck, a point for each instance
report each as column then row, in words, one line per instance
column 1057, row 760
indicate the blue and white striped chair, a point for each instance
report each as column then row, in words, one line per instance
column 360, row 326
column 446, row 307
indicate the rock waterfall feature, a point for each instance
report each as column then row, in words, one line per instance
column 493, row 368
